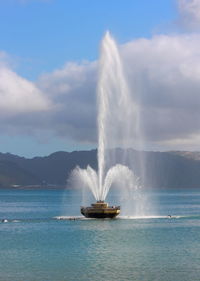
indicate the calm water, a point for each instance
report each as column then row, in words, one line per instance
column 35, row 246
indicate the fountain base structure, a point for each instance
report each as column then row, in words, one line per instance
column 100, row 210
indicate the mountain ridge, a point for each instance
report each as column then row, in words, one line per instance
column 171, row 169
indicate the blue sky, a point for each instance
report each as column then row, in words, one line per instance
column 43, row 35
column 49, row 47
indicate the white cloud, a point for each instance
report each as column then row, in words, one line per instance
column 163, row 73
column 189, row 14
column 73, row 90
column 17, row 95
column 164, row 77
column 20, row 99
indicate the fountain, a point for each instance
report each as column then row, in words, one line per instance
column 115, row 114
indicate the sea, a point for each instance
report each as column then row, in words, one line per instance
column 43, row 237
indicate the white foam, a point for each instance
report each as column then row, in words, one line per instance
column 148, row 217
column 70, row 218
column 119, row 217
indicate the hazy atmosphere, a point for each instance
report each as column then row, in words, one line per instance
column 48, row 72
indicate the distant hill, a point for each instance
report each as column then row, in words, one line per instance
column 156, row 169
column 50, row 170
column 195, row 155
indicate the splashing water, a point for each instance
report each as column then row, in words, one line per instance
column 115, row 115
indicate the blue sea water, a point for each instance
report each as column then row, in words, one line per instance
column 36, row 245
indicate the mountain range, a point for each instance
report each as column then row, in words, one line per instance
column 173, row 169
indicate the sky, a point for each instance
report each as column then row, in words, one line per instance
column 49, row 51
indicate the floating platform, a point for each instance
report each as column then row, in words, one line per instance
column 100, row 210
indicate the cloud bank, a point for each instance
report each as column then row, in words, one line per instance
column 18, row 95
column 189, row 11
column 163, row 74
column 19, row 99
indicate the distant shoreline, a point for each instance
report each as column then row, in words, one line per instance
column 34, row 187
column 62, row 187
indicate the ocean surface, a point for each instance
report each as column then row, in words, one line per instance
column 44, row 238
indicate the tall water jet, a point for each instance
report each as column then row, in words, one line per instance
column 115, row 117
column 114, row 110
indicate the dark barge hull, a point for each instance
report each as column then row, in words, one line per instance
column 100, row 210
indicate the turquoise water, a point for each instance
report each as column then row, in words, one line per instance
column 35, row 245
